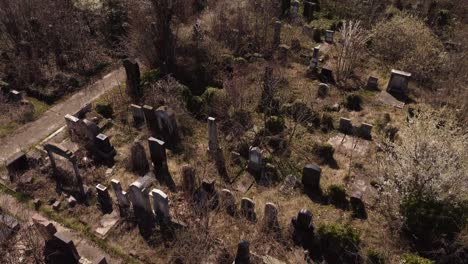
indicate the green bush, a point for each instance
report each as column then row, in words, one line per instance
column 150, row 76
column 325, row 151
column 196, row 105
column 275, row 125
column 353, row 102
column 301, row 113
column 105, row 109
column 428, row 220
column 337, row 195
column 326, row 122
column 375, row 257
column 414, row 259
column 339, row 244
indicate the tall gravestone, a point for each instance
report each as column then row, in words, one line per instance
column 243, row 253
column 158, row 153
column 255, row 164
column 137, row 114
column 132, row 69
column 213, row 145
column 329, row 34
column 247, row 209
column 311, row 177
column 103, row 198
column 271, row 216
column 161, row 205
column 122, row 199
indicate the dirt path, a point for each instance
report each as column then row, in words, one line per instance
column 31, row 133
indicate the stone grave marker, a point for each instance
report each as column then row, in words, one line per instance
column 228, row 201
column 277, row 34
column 247, row 209
column 103, row 198
column 346, row 126
column 139, row 162
column 311, row 177
column 271, row 216
column 398, row 82
column 372, row 83
column 137, row 114
column 161, row 205
column 329, row 36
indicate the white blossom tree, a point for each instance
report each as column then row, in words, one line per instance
column 428, row 162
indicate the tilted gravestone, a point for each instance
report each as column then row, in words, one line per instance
column 247, row 209
column 139, row 162
column 103, row 198
column 122, row 199
column 311, row 177
column 398, row 82
column 132, row 69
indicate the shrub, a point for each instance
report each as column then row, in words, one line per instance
column 421, row 47
column 353, row 102
column 428, row 220
column 414, row 259
column 105, row 109
column 317, row 36
column 301, row 113
column 375, row 257
column 275, row 125
column 337, row 195
column 326, row 122
column 150, row 76
column 339, row 244
column 325, row 152
column 196, row 105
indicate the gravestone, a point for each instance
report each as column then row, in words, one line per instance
column 357, row 204
column 166, row 128
column 213, row 145
column 243, row 253
column 161, row 205
column 228, row 201
column 122, row 200
column 311, row 177
column 283, row 54
column 150, row 118
column 103, row 198
column 326, row 75
column 139, row 196
column 137, row 114
column 323, row 90
column 188, row 179
column 61, row 249
column 365, row 131
column 247, row 209
column 55, row 149
column 398, row 82
column 295, row 8
column 139, row 162
column 271, row 217
column 15, row 96
column 277, row 34
column 16, row 164
column 132, row 69
column 315, row 58
column 296, row 45
column 308, row 11
column 303, row 229
column 288, row 184
column 235, row 157
column 346, row 126
column 329, row 36
column 103, row 148
column 255, row 164
column 158, row 154
column 45, row 227
column 308, row 30
column 372, row 83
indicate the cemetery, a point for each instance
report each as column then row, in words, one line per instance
column 298, row 148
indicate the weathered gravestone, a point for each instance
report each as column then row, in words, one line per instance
column 61, row 249
column 137, row 114
column 247, row 209
column 103, row 198
column 139, row 196
column 329, row 36
column 57, row 150
column 323, row 90
column 311, row 177
column 139, row 162
column 255, row 164
column 288, row 184
column 357, row 204
column 132, row 69
column 308, row 11
column 243, row 253
column 103, row 148
column 365, row 131
column 167, row 126
column 372, row 83
column 122, row 199
column 161, row 206
column 16, row 164
column 398, row 82
column 277, row 34
column 150, row 118
column 303, row 229
column 15, row 96
column 283, row 54
column 188, row 179
column 326, row 75
column 158, row 154
column 295, row 8
column 346, row 126
column 270, row 217
column 228, row 201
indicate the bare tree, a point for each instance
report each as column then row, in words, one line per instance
column 349, row 46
